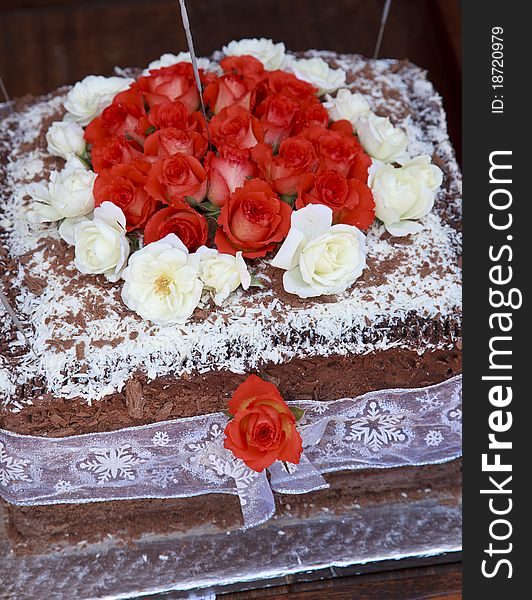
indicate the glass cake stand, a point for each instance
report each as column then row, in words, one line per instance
column 200, row 562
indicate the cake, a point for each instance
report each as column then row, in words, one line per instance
column 100, row 358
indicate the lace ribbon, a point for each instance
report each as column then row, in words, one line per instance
column 186, row 457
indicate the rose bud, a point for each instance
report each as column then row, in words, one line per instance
column 236, row 127
column 351, row 200
column 189, row 226
column 172, row 114
column 171, row 83
column 124, row 186
column 114, row 151
column 296, row 156
column 229, row 90
column 226, row 172
column 126, row 116
column 244, row 66
column 169, row 141
column 252, row 220
column 173, row 179
column 278, row 115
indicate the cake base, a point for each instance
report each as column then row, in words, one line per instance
column 372, row 521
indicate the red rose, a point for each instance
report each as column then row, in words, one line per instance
column 170, row 180
column 126, row 116
column 189, row 226
column 225, row 173
column 313, row 114
column 172, row 114
column 235, row 127
column 351, row 200
column 123, row 185
column 228, row 90
column 113, row 151
column 278, row 114
column 169, row 141
column 263, row 428
column 253, row 220
column 244, row 66
column 296, row 156
column 171, row 83
column 289, row 85
column 338, row 151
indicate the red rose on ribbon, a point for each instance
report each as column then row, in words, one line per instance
column 123, row 185
column 263, row 428
column 171, row 83
column 351, row 200
column 226, row 172
column 296, row 156
column 189, row 226
column 170, row 180
column 169, row 141
column 113, row 150
column 253, row 220
column 126, row 116
column 236, row 127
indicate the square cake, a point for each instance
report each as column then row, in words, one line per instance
column 91, row 361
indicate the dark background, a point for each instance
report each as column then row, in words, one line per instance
column 48, row 43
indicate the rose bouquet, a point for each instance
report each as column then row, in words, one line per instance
column 153, row 194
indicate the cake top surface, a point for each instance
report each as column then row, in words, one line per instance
column 87, row 344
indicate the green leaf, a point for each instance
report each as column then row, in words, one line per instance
column 289, row 199
column 298, row 413
column 191, row 201
column 256, row 282
column 134, row 243
column 210, row 209
column 150, row 130
column 227, row 413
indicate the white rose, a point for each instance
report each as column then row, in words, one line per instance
column 381, row 139
column 221, row 273
column 101, row 244
column 167, row 60
column 161, row 284
column 271, row 55
column 347, row 106
column 91, row 95
column 65, row 139
column 68, row 194
column 317, row 72
column 404, row 194
column 320, row 258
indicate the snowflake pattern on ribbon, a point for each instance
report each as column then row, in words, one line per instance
column 161, row 438
column 11, row 468
column 112, row 463
column 186, row 457
column 377, row 427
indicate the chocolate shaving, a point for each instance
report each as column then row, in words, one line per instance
column 134, row 399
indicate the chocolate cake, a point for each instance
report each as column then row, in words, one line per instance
column 94, row 365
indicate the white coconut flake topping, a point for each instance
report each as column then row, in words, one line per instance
column 89, row 343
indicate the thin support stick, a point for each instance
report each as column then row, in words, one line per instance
column 5, row 94
column 188, row 33
column 384, row 18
